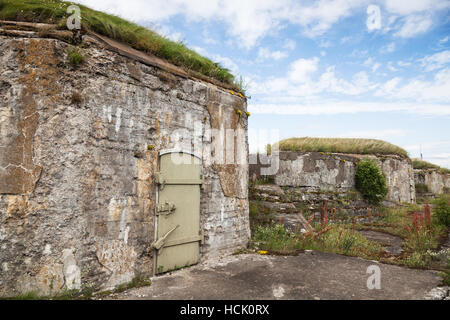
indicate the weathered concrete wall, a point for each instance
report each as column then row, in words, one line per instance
column 438, row 183
column 77, row 189
column 318, row 171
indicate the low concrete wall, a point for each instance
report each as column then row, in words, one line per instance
column 437, row 183
column 318, row 171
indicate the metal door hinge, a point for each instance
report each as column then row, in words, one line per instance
column 202, row 237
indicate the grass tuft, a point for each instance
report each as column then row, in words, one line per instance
column 75, row 56
column 341, row 145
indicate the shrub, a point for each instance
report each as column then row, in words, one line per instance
column 442, row 209
column 370, row 181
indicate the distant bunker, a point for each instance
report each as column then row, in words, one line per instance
column 115, row 168
column 313, row 176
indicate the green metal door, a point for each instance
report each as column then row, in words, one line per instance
column 178, row 234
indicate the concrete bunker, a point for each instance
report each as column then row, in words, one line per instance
column 307, row 178
column 81, row 150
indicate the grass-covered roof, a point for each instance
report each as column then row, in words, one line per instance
column 341, row 145
column 424, row 165
column 138, row 37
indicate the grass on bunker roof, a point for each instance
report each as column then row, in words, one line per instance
column 341, row 145
column 138, row 37
column 424, row 165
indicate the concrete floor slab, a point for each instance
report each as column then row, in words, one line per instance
column 308, row 276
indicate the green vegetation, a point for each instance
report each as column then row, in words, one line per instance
column 370, row 181
column 140, row 38
column 63, row 295
column 24, row 296
column 136, row 282
column 263, row 180
column 421, row 237
column 442, row 209
column 339, row 239
column 341, row 145
column 421, row 188
column 446, row 281
column 259, row 214
column 424, row 165
column 75, row 56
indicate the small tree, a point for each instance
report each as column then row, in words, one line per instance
column 370, row 181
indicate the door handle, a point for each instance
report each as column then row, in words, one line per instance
column 166, row 208
column 159, row 244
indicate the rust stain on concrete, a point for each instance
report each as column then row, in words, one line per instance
column 38, row 69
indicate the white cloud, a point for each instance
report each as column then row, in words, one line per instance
column 247, row 21
column 391, row 67
column 325, row 43
column 376, row 66
column 359, row 53
column 168, row 32
column 289, row 44
column 304, row 91
column 414, row 25
column 443, row 40
column 299, row 82
column 374, row 134
column 390, row 24
column 403, row 63
column 368, row 62
column 389, row 87
column 266, row 54
column 372, row 64
column 432, row 152
column 412, row 6
column 301, row 69
column 341, row 107
column 224, row 61
column 412, row 17
column 207, row 38
column 388, row 48
column 436, row 61
column 345, row 39
column 435, row 90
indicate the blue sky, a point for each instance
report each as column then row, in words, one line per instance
column 370, row 69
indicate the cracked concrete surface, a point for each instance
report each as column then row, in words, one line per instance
column 308, row 276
